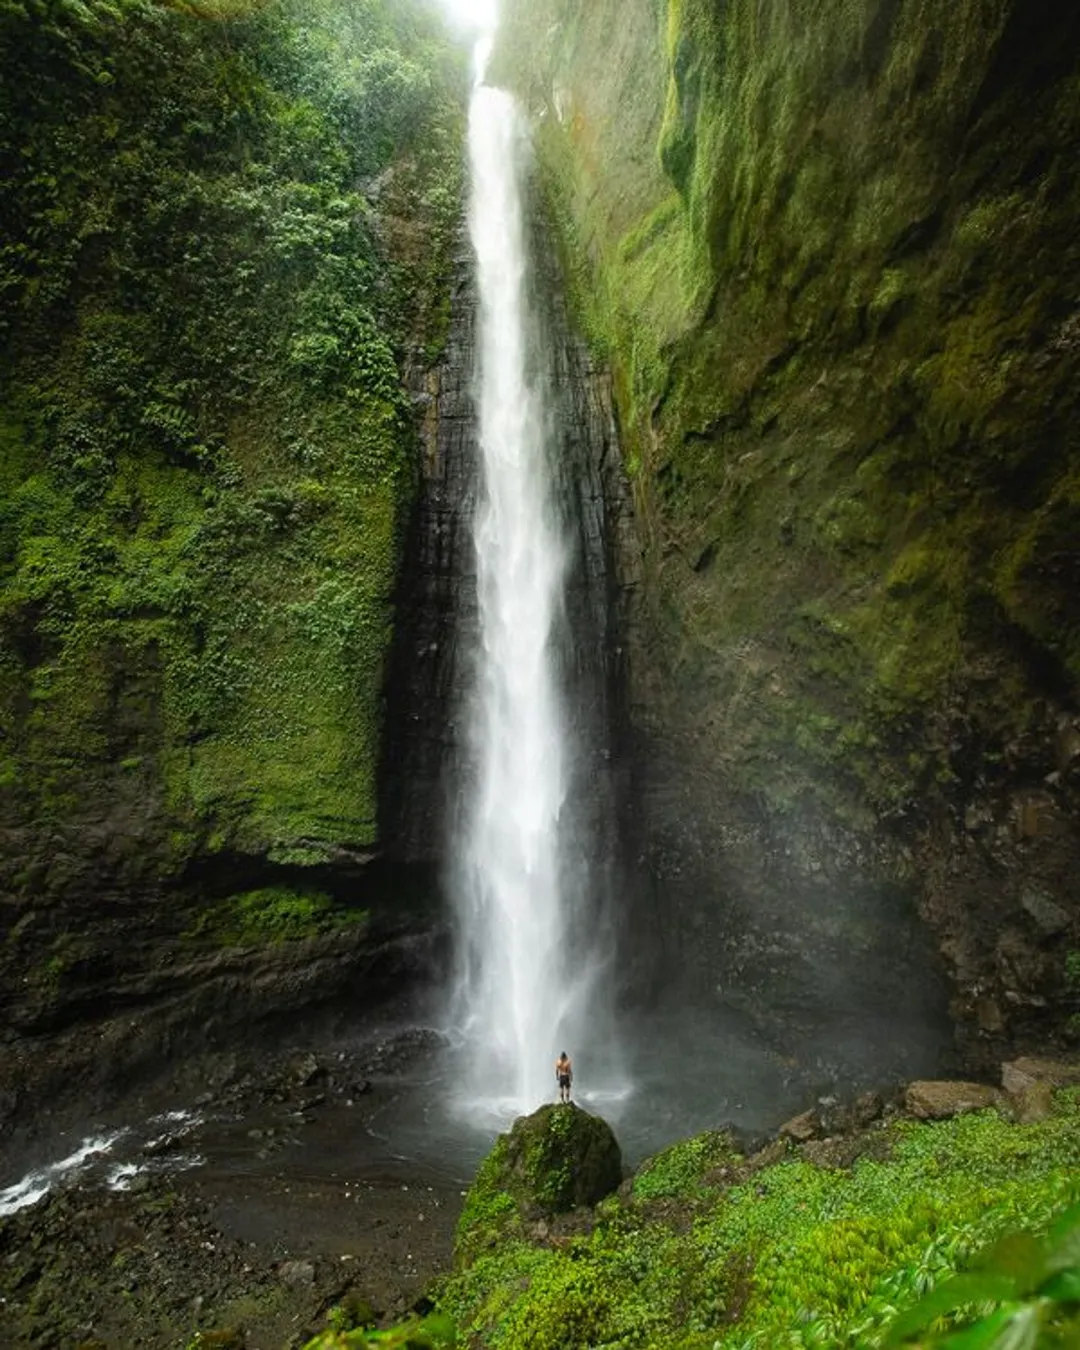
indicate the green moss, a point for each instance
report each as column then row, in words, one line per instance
column 273, row 914
column 490, row 1214
column 428, row 1333
column 837, row 308
column 557, row 1159
column 682, row 1169
column 207, row 449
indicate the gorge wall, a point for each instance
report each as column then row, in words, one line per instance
column 830, row 252
column 227, row 241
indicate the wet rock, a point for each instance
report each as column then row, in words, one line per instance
column 306, row 1070
column 1020, row 1074
column 163, row 1144
column 765, row 1157
column 1032, row 1104
column 938, row 1100
column 801, row 1127
column 988, row 1016
column 298, row 1274
column 224, row 1338
column 1049, row 917
column 867, row 1108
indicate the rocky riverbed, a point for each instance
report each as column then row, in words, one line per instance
column 272, row 1197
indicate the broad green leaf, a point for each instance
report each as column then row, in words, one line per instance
column 986, row 1334
column 976, row 1287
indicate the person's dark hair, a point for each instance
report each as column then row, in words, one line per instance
column 564, row 1055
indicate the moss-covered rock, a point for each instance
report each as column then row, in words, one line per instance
column 549, row 1163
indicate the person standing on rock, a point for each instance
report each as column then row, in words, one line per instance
column 564, row 1073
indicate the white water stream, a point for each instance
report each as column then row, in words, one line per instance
column 521, row 992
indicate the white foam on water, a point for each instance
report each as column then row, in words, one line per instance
column 41, row 1180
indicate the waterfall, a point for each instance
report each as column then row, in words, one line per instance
column 521, row 991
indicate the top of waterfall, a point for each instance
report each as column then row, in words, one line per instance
column 478, row 15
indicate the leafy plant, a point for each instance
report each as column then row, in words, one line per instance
column 1031, row 1283
column 435, row 1332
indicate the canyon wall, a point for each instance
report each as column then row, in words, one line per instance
column 227, row 243
column 830, row 253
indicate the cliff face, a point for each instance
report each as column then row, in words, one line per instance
column 830, row 252
column 226, row 249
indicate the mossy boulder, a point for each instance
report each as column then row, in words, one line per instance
column 549, row 1163
column 561, row 1157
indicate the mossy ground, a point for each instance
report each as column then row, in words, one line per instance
column 708, row 1250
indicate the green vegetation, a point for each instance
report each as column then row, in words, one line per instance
column 430, row 1333
column 680, row 1169
column 274, row 914
column 1032, row 1283
column 714, row 1250
column 226, row 237
column 838, row 300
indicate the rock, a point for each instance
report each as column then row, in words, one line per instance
column 866, row 1108
column 549, row 1163
column 801, row 1127
column 306, row 1070
column 937, row 1100
column 223, row 1338
column 988, row 1016
column 1032, row 1104
column 1049, row 916
column 298, row 1274
column 164, row 1143
column 561, row 1157
column 771, row 1153
column 1020, row 1074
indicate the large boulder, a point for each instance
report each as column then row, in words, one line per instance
column 938, row 1100
column 551, row 1162
column 1020, row 1074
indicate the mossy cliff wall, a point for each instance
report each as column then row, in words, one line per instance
column 226, row 234
column 830, row 251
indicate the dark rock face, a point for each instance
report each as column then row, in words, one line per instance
column 848, row 395
column 436, row 601
column 125, row 1015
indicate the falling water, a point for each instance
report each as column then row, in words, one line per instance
column 518, row 986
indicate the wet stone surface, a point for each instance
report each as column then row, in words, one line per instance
column 272, row 1201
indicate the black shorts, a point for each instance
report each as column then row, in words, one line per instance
column 564, row 1080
